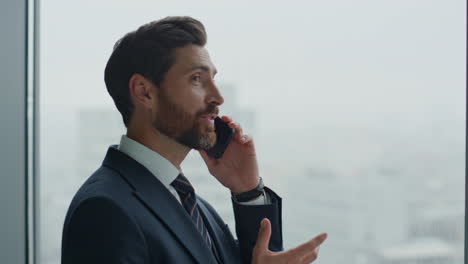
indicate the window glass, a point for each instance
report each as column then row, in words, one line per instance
column 357, row 109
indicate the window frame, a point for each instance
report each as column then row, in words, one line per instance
column 18, row 112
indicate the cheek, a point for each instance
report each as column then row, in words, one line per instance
column 195, row 103
column 189, row 97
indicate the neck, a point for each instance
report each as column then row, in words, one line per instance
column 163, row 145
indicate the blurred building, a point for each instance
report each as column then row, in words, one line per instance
column 422, row 251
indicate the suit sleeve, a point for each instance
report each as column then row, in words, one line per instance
column 99, row 231
column 248, row 218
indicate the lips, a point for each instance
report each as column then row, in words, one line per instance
column 209, row 120
column 209, row 116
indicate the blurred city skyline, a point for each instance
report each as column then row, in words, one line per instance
column 357, row 111
column 375, row 206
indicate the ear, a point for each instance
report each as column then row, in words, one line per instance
column 142, row 91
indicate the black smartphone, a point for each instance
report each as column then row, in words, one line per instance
column 224, row 136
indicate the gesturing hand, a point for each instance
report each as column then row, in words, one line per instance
column 305, row 253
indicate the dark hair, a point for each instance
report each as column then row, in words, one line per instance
column 149, row 51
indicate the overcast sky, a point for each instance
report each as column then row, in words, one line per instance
column 294, row 62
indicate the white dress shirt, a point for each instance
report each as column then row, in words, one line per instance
column 162, row 168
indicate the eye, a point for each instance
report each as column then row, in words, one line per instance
column 196, row 78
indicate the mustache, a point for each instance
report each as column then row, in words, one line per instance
column 211, row 109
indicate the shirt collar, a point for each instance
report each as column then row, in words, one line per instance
column 159, row 166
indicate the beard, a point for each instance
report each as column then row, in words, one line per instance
column 184, row 127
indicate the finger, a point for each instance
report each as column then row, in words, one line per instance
column 226, row 118
column 246, row 139
column 234, row 125
column 309, row 246
column 238, row 130
column 309, row 257
column 210, row 161
column 263, row 235
column 239, row 133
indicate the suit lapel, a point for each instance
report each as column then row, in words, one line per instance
column 150, row 191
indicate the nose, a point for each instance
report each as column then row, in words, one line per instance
column 214, row 95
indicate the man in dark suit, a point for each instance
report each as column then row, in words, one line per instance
column 139, row 207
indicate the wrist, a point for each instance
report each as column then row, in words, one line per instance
column 246, row 187
column 251, row 194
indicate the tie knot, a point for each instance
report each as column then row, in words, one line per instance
column 182, row 184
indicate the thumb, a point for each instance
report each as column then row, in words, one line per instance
column 264, row 235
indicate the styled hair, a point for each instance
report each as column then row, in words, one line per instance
column 149, row 51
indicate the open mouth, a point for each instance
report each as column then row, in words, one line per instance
column 209, row 116
column 209, row 119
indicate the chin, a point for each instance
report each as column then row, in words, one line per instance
column 198, row 138
column 208, row 140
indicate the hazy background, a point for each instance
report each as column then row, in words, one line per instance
column 357, row 109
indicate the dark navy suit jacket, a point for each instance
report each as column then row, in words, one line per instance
column 124, row 214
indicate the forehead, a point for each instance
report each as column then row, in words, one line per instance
column 191, row 56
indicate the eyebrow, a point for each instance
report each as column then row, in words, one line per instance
column 203, row 68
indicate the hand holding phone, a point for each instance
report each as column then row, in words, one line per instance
column 236, row 169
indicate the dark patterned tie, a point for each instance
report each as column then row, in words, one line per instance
column 189, row 201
